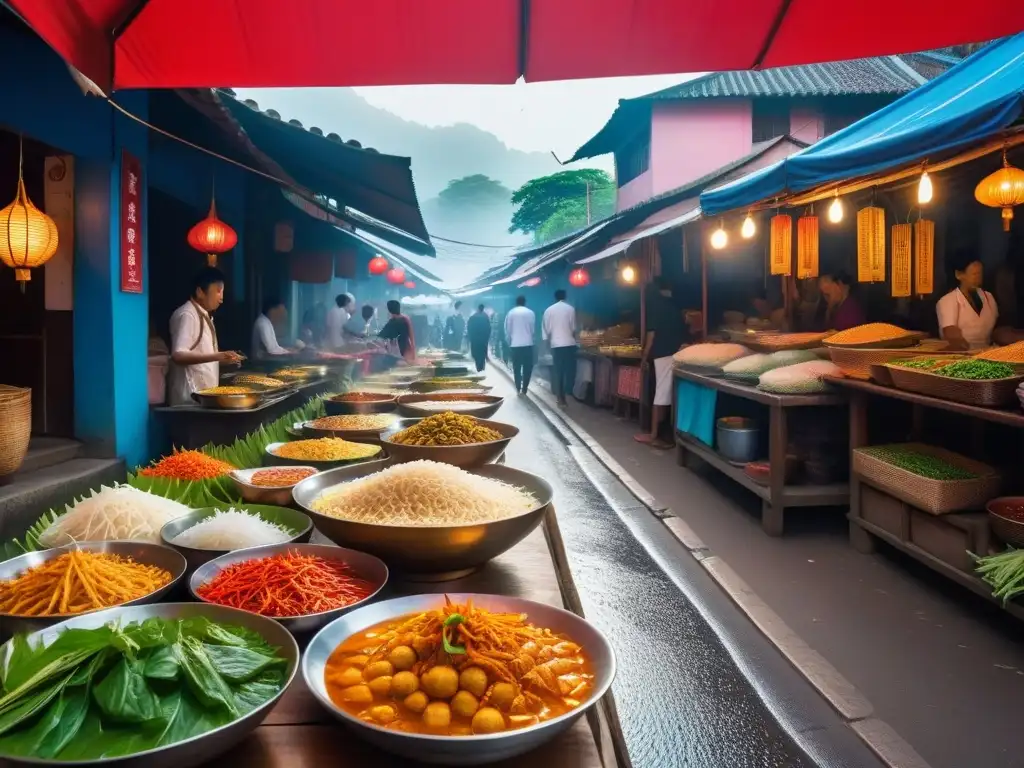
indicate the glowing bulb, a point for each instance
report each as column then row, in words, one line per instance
column 719, row 239
column 835, row 211
column 749, row 228
column 628, row 274
column 924, row 189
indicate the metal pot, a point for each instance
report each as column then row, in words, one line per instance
column 738, row 439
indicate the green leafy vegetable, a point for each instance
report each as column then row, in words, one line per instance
column 238, row 665
column 124, row 696
column 162, row 665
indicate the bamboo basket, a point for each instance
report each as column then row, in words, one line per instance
column 938, row 497
column 15, row 427
column 900, row 342
column 991, row 393
column 784, row 342
column 857, row 363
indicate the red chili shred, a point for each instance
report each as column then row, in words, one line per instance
column 286, row 585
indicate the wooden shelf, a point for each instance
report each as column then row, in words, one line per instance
column 749, row 392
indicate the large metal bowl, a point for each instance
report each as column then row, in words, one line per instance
column 289, row 518
column 384, row 404
column 272, row 459
column 465, row 456
column 435, row 553
column 367, row 567
column 275, row 496
column 141, row 552
column 488, row 404
column 347, row 434
column 458, row 750
column 197, row 750
column 229, row 402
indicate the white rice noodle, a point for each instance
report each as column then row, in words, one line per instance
column 232, row 529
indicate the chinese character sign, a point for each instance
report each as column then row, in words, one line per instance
column 131, row 224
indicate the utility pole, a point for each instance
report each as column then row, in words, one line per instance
column 588, row 203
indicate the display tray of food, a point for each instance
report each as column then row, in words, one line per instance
column 292, row 375
column 874, row 335
column 857, row 362
column 39, row 589
column 428, row 520
column 928, row 477
column 778, row 342
column 1011, row 354
column 359, row 402
column 464, row 679
column 163, row 686
column 418, row 406
column 229, row 397
column 350, row 425
column 270, row 485
column 440, row 384
column 1006, row 516
column 322, row 452
column 259, row 381
column 972, row 381
column 449, row 437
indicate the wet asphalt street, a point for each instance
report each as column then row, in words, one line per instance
column 697, row 686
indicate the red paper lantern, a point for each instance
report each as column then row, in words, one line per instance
column 532, row 282
column 396, row 276
column 579, row 277
column 378, row 265
column 410, row 284
column 212, row 236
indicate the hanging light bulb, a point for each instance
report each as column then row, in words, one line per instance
column 835, row 211
column 719, row 238
column 924, row 189
column 628, row 274
column 749, row 228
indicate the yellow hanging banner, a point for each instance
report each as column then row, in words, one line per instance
column 871, row 245
column 901, row 274
column 807, row 247
column 781, row 257
column 924, row 256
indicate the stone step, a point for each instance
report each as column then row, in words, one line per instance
column 48, row 451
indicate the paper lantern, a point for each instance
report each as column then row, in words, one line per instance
column 28, row 237
column 1002, row 189
column 871, row 245
column 579, row 277
column 532, row 282
column 901, row 272
column 781, row 254
column 924, row 256
column 379, row 265
column 396, row 276
column 807, row 247
column 212, row 236
column 409, row 284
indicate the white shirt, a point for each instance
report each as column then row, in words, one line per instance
column 335, row 322
column 559, row 326
column 955, row 309
column 264, row 339
column 520, row 323
column 190, row 324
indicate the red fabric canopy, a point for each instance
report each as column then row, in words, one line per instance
column 212, row 43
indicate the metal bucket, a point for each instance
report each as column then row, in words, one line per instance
column 738, row 438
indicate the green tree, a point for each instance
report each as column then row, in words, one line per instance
column 476, row 191
column 557, row 204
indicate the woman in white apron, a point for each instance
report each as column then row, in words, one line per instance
column 967, row 314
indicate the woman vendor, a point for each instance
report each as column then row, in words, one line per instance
column 842, row 310
column 968, row 313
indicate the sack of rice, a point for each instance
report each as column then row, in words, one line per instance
column 710, row 355
column 749, row 366
column 799, row 379
column 792, row 357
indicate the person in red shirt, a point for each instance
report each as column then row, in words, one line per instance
column 399, row 329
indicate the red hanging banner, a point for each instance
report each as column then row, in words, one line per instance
column 131, row 223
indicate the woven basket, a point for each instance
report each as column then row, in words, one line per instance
column 15, row 427
column 900, row 342
column 935, row 496
column 783, row 342
column 856, row 362
column 991, row 393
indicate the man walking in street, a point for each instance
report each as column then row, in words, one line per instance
column 559, row 328
column 520, row 324
column 666, row 333
column 478, row 329
column 454, row 329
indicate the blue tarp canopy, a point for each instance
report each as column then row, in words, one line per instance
column 973, row 101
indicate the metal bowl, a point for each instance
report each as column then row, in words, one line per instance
column 289, row 518
column 198, row 750
column 275, row 496
column 348, row 434
column 317, row 371
column 142, row 552
column 367, row 567
column 425, row 387
column 384, row 404
column 458, row 750
column 435, row 553
column 488, row 404
column 271, row 459
column 465, row 456
column 1006, row 528
column 229, row 402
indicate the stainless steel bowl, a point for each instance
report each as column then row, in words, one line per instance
column 385, row 404
column 198, row 750
column 347, row 434
column 141, row 552
column 275, row 496
column 290, row 518
column 229, row 402
column 737, row 438
column 424, row 387
column 427, row 553
column 367, row 567
column 465, row 456
column 488, row 405
column 458, row 750
column 272, row 459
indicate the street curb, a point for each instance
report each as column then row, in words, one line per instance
column 841, row 694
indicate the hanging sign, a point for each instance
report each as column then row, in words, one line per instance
column 131, row 223
column 924, row 256
column 781, row 256
column 871, row 245
column 806, row 247
column 901, row 276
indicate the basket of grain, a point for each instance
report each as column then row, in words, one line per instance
column 856, row 362
column 15, row 427
column 927, row 477
column 970, row 381
column 778, row 342
column 1011, row 354
column 874, row 336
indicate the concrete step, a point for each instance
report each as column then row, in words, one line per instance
column 48, row 451
column 30, row 494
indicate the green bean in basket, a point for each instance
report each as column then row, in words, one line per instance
column 1003, row 572
column 925, row 363
column 919, row 463
column 976, row 370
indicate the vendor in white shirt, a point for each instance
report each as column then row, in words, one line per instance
column 967, row 314
column 264, row 333
column 337, row 317
column 195, row 355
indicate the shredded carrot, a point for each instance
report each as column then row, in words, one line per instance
column 187, row 465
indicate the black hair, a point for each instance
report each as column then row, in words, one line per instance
column 520, row 301
column 271, row 302
column 961, row 259
column 840, row 277
column 342, row 300
column 559, row 295
column 480, row 308
column 395, row 307
column 368, row 311
column 206, row 277
column 458, row 304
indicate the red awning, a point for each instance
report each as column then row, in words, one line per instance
column 214, row 43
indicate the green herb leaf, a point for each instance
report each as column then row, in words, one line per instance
column 162, row 665
column 124, row 696
column 237, row 665
column 70, row 711
column 452, row 621
column 31, row 703
column 203, row 680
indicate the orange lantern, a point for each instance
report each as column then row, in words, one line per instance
column 396, row 276
column 1002, row 189
column 28, row 237
column 410, row 284
column 212, row 236
column 379, row 265
column 579, row 277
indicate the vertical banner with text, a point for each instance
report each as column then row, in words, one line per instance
column 131, row 223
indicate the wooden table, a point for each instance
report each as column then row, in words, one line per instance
column 776, row 496
column 299, row 733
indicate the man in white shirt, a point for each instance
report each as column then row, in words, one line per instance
column 195, row 356
column 337, row 316
column 264, row 335
column 520, row 324
column 559, row 328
